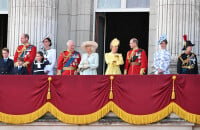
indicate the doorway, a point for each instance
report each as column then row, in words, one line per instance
column 124, row 26
column 3, row 31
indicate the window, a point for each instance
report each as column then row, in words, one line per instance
column 3, row 5
column 138, row 3
column 103, row 4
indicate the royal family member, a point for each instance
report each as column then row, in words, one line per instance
column 50, row 55
column 68, row 60
column 114, row 59
column 162, row 57
column 6, row 64
column 136, row 59
column 39, row 64
column 187, row 61
column 90, row 59
column 20, row 69
column 25, row 51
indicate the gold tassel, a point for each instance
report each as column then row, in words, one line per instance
column 49, row 89
column 111, row 96
column 173, row 90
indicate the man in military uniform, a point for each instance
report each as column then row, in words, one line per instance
column 187, row 61
column 136, row 59
column 26, row 51
column 6, row 64
column 68, row 60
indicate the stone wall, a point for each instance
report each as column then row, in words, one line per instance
column 75, row 22
column 174, row 18
column 38, row 18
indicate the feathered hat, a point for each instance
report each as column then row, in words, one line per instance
column 186, row 43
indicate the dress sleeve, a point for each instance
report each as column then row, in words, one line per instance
column 120, row 61
column 108, row 59
column 52, row 61
column 81, row 62
column 155, row 63
column 95, row 64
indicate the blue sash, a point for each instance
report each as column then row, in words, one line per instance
column 71, row 59
column 25, row 52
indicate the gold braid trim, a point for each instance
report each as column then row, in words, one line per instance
column 66, row 57
column 129, row 58
column 22, row 50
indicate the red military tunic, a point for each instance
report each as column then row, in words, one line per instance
column 68, row 63
column 136, row 62
column 28, row 52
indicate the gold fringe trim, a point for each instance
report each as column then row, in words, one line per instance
column 79, row 119
column 93, row 117
column 173, row 88
column 26, row 118
column 193, row 118
column 111, row 96
column 141, row 119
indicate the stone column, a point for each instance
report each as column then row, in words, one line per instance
column 176, row 18
column 38, row 18
column 75, row 22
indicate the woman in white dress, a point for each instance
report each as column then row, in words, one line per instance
column 89, row 60
column 50, row 55
column 162, row 57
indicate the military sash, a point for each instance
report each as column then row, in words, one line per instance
column 25, row 51
column 133, row 59
column 71, row 59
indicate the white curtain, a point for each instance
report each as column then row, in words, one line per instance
column 3, row 5
column 109, row 4
column 138, row 3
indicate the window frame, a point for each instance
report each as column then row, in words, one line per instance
column 123, row 8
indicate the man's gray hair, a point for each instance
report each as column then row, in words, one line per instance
column 69, row 42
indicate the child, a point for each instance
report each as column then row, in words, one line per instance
column 6, row 64
column 20, row 69
column 39, row 64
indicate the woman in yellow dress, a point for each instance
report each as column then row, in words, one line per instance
column 113, row 59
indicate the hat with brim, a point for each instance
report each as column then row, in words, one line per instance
column 188, row 43
column 93, row 44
